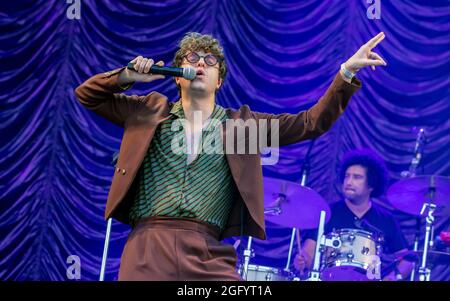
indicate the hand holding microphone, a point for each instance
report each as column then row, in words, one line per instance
column 143, row 69
column 139, row 73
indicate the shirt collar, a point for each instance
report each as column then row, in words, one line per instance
column 218, row 112
column 177, row 109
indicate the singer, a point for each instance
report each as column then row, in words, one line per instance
column 180, row 206
column 363, row 176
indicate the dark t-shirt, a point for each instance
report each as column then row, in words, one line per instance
column 376, row 220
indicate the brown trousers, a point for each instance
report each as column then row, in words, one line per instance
column 163, row 248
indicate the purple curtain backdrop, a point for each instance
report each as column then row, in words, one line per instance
column 55, row 156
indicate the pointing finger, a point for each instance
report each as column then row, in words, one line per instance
column 376, row 40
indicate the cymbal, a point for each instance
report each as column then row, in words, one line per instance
column 408, row 195
column 291, row 205
column 434, row 257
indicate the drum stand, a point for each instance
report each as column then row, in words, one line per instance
column 424, row 272
column 248, row 253
column 415, row 248
column 322, row 242
column 304, row 172
column 108, row 231
column 105, row 250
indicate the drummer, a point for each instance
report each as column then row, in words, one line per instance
column 364, row 176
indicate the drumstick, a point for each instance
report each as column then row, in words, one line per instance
column 299, row 246
column 236, row 244
column 298, row 240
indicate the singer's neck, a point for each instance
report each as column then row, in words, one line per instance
column 191, row 104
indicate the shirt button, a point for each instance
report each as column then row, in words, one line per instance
column 117, row 169
column 123, row 171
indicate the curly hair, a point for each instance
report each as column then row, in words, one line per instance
column 194, row 41
column 377, row 173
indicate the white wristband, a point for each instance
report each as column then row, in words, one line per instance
column 349, row 75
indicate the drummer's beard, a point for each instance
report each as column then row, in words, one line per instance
column 356, row 198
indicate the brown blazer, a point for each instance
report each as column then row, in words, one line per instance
column 140, row 116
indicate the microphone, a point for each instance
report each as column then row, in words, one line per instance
column 418, row 149
column 419, row 141
column 187, row 73
column 115, row 157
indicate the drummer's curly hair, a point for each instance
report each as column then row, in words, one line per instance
column 377, row 173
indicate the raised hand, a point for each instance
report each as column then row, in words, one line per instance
column 365, row 56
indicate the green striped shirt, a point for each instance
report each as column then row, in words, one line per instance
column 168, row 186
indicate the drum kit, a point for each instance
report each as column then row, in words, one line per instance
column 347, row 254
column 353, row 254
column 341, row 254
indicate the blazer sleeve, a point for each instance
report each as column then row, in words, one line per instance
column 102, row 94
column 314, row 121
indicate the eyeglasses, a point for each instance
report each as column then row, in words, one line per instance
column 194, row 57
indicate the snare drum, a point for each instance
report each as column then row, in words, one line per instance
column 264, row 273
column 355, row 260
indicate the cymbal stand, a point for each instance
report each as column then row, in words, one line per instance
column 415, row 161
column 424, row 272
column 304, row 172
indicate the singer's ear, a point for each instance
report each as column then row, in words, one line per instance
column 219, row 83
